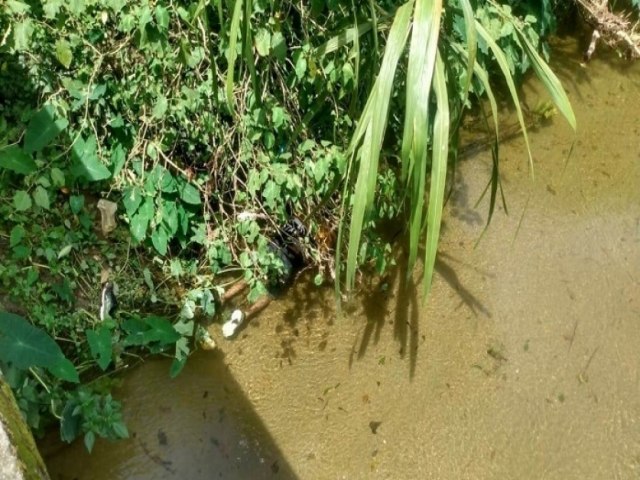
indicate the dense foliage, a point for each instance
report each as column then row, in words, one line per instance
column 187, row 114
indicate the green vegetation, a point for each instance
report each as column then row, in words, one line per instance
column 187, row 114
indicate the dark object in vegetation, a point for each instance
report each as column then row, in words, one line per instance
column 108, row 301
column 287, row 245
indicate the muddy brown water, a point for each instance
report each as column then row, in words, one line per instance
column 524, row 364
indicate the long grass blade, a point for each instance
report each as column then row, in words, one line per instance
column 374, row 24
column 345, row 37
column 422, row 54
column 483, row 76
column 415, row 140
column 232, row 53
column 504, row 66
column 375, row 118
column 550, row 80
column 438, row 174
column 472, row 47
column 249, row 59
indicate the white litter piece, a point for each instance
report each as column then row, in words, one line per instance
column 251, row 216
column 229, row 328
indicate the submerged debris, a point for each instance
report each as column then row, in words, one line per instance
column 230, row 327
column 373, row 425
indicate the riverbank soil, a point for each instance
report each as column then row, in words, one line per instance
column 524, row 363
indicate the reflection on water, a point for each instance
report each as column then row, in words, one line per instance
column 524, row 364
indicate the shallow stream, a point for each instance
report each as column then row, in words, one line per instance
column 525, row 363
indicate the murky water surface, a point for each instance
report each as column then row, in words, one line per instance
column 524, row 364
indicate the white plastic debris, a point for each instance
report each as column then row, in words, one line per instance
column 229, row 328
column 251, row 216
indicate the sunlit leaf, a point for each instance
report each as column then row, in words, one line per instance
column 13, row 158
column 100, row 346
column 438, row 174
column 42, row 129
column 373, row 122
column 64, row 53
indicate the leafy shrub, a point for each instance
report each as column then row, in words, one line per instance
column 189, row 114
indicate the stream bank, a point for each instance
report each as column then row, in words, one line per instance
column 523, row 364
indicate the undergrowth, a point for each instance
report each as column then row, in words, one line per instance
column 188, row 115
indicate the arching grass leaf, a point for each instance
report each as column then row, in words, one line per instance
column 371, row 128
column 438, row 174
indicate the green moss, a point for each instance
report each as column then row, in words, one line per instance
column 20, row 436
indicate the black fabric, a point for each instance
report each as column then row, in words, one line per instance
column 288, row 246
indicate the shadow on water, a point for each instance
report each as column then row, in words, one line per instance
column 203, row 427
column 448, row 273
column 405, row 310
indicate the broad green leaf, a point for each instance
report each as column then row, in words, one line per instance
column 160, row 330
column 76, row 6
column 279, row 46
column 170, row 217
column 160, row 108
column 263, row 42
column 51, row 8
column 89, row 440
column 162, row 18
column 177, row 365
column 140, row 220
column 159, row 239
column 118, row 158
column 41, row 197
column 189, row 194
column 90, row 165
column 76, row 202
column 14, row 159
column 120, row 430
column 17, row 234
column 22, row 201
column 100, row 345
column 301, row 66
column 26, row 346
column 22, row 32
column 17, row 7
column 184, row 328
column 132, row 199
column 64, row 53
column 70, row 422
column 64, row 370
column 57, row 177
column 42, row 129
column 66, row 250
